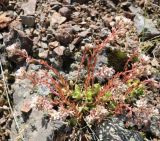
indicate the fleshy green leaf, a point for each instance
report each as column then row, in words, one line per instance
column 77, row 94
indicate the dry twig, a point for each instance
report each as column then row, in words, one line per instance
column 6, row 90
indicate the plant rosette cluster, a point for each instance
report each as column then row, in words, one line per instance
column 87, row 98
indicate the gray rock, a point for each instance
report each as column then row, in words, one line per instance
column 56, row 19
column 112, row 131
column 135, row 10
column 37, row 126
column 77, row 28
column 43, row 45
column 155, row 126
column 29, row 7
column 84, row 33
column 28, row 20
column 59, row 50
column 25, row 86
column 112, row 4
column 104, row 32
column 44, row 39
column 143, row 23
column 43, row 90
column 71, row 47
column 125, row 4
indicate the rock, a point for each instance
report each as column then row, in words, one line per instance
column 43, row 90
column 19, row 37
column 76, row 28
column 125, row 5
column 44, row 39
column 71, row 47
column 56, row 18
column 67, row 1
column 43, row 54
column 55, row 5
column 142, row 23
column 65, row 35
column 28, row 32
column 40, row 127
column 53, row 44
column 29, row 7
column 4, row 20
column 21, row 85
column 155, row 63
column 17, row 42
column 155, row 126
column 107, row 19
column 135, row 10
column 65, row 11
column 112, row 131
column 16, row 24
column 75, row 15
column 43, row 45
column 26, row 108
column 28, row 20
column 76, row 40
column 59, row 50
column 12, row 55
column 104, row 32
column 36, row 40
column 12, row 14
column 93, row 13
column 84, row 33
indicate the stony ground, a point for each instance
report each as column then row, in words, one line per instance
column 62, row 33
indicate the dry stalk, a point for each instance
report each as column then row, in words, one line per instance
column 6, row 89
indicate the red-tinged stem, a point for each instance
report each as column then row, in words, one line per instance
column 92, row 60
